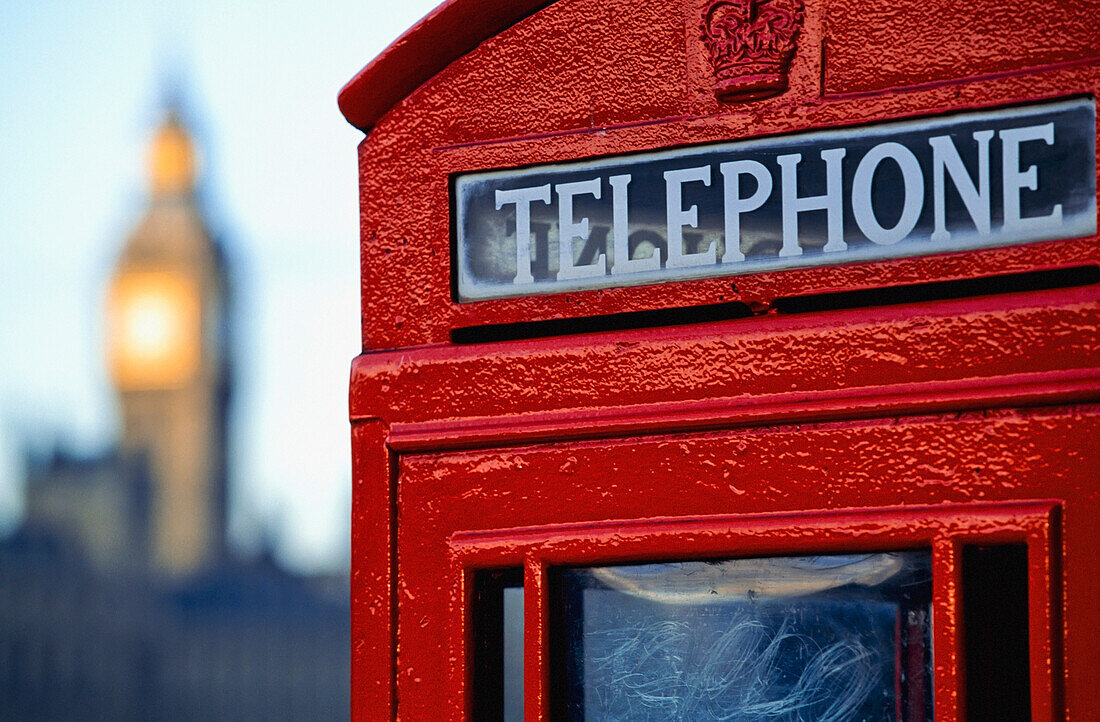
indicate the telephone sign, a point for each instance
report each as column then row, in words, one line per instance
column 916, row 187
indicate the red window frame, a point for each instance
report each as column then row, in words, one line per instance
column 944, row 529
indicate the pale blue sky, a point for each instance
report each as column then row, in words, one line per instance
column 80, row 91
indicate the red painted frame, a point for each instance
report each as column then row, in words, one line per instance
column 924, row 424
column 505, row 505
column 944, row 529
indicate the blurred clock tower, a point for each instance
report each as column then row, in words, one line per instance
column 129, row 542
column 169, row 360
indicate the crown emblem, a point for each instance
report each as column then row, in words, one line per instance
column 750, row 44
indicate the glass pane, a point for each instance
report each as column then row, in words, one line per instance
column 497, row 689
column 781, row 639
column 995, row 631
column 623, row 219
column 513, row 654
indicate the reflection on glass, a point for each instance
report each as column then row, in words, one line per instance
column 513, row 654
column 782, row 639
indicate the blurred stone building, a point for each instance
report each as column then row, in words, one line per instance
column 118, row 598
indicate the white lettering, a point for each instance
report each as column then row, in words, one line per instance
column 568, row 229
column 523, row 197
column 946, row 157
column 1014, row 180
column 831, row 202
column 735, row 205
column 913, row 192
column 678, row 218
column 620, row 228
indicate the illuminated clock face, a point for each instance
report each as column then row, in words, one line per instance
column 155, row 329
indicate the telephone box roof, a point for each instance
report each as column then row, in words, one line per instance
column 442, row 36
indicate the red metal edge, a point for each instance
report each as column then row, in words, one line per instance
column 442, row 36
column 622, row 541
column 861, row 402
column 536, row 667
column 373, row 575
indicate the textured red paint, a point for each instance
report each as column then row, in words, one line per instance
column 536, row 672
column 448, row 32
column 860, row 349
column 372, row 610
column 940, row 40
column 539, row 92
column 926, row 424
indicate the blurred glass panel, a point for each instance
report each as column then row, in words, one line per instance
column 782, row 639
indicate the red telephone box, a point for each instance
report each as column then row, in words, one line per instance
column 728, row 359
